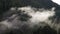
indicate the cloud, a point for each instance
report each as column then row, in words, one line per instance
column 38, row 16
column 32, row 17
column 29, row 14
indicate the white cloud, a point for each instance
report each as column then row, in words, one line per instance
column 39, row 18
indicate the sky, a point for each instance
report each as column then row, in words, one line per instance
column 56, row 1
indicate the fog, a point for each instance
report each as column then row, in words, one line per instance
column 29, row 17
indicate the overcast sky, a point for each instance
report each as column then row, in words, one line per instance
column 56, row 1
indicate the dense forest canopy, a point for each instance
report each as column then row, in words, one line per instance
column 5, row 6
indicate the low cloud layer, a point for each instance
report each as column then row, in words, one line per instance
column 29, row 17
column 38, row 17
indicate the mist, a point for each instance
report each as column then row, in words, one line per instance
column 29, row 17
